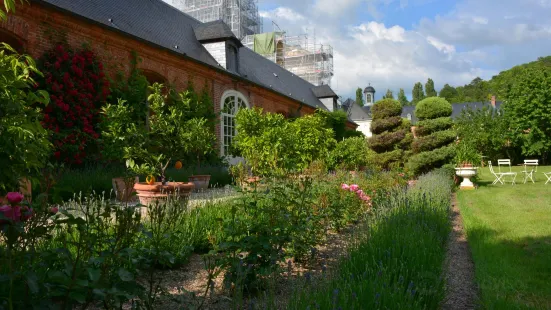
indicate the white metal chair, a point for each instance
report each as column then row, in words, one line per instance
column 499, row 176
column 503, row 162
column 530, row 166
column 548, row 176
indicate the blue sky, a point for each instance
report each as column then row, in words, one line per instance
column 394, row 43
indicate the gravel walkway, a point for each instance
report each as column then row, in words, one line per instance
column 462, row 292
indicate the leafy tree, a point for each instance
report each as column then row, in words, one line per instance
column 402, row 97
column 528, row 107
column 433, row 146
column 389, row 94
column 429, row 88
column 9, row 5
column 351, row 154
column 24, row 145
column 337, row 121
column 359, row 97
column 417, row 93
column 448, row 92
column 391, row 134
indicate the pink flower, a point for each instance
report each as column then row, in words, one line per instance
column 365, row 198
column 345, row 187
column 12, row 213
column 354, row 188
column 14, row 197
column 54, row 210
column 360, row 193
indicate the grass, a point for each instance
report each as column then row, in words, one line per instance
column 398, row 263
column 509, row 232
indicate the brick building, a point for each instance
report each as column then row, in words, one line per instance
column 173, row 48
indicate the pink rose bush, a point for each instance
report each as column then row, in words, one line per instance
column 14, row 211
column 354, row 188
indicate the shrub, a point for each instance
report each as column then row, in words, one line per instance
column 24, row 145
column 390, row 133
column 432, row 147
column 78, row 87
column 386, row 108
column 433, row 107
column 351, row 154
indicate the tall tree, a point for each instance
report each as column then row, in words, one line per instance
column 389, row 94
column 449, row 93
column 402, row 97
column 429, row 88
column 9, row 6
column 359, row 97
column 418, row 94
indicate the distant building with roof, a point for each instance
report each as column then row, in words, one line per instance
column 359, row 115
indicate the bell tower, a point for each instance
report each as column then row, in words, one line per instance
column 369, row 95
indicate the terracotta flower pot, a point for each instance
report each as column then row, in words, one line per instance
column 124, row 188
column 149, row 194
column 201, row 181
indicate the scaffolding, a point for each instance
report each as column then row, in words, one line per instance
column 300, row 55
column 241, row 15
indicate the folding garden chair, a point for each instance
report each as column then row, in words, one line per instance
column 501, row 175
column 530, row 166
column 503, row 162
column 548, row 176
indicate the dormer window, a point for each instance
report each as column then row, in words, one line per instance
column 221, row 43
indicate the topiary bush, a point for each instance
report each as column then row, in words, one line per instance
column 433, row 146
column 391, row 134
column 350, row 154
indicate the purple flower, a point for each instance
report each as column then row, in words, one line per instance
column 14, row 197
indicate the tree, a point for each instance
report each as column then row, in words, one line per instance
column 448, row 92
column 402, row 97
column 391, row 133
column 389, row 94
column 433, row 146
column 359, row 97
column 528, row 107
column 429, row 88
column 417, row 93
column 10, row 6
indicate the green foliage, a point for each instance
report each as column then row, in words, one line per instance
column 448, row 92
column 433, row 107
column 466, row 153
column 359, row 97
column 337, row 121
column 274, row 146
column 390, row 132
column 428, row 126
column 386, row 108
column 397, row 262
column 351, row 154
column 433, row 141
column 389, row 94
column 426, row 161
column 9, row 6
column 528, row 108
column 402, row 97
column 417, row 93
column 24, row 145
column 429, row 88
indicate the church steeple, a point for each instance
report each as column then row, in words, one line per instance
column 369, row 95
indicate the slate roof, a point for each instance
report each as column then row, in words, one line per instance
column 355, row 112
column 457, row 108
column 158, row 23
column 369, row 89
column 324, row 91
column 215, row 31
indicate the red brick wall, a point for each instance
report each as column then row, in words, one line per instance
column 39, row 28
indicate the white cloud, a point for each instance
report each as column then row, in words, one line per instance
column 441, row 46
column 282, row 13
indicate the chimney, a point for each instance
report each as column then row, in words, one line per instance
column 493, row 101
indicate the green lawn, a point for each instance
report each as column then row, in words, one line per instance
column 509, row 232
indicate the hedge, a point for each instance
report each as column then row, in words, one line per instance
column 385, row 160
column 433, row 141
column 386, row 108
column 433, row 107
column 426, row 161
column 426, row 127
column 379, row 126
column 351, row 154
column 386, row 141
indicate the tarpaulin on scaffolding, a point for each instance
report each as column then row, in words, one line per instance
column 264, row 43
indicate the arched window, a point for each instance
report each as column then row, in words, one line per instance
column 232, row 101
column 368, row 98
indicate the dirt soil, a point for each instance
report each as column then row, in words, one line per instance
column 461, row 288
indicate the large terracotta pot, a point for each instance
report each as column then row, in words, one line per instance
column 201, row 181
column 124, row 187
column 149, row 194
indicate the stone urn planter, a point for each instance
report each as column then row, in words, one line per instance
column 201, row 181
column 466, row 173
column 124, row 187
column 157, row 192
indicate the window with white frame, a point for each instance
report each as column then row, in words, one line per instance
column 232, row 101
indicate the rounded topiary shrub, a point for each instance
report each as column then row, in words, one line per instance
column 433, row 107
column 391, row 135
column 433, row 146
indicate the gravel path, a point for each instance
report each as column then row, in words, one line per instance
column 462, row 292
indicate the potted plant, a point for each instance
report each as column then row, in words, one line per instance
column 466, row 157
column 201, row 144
